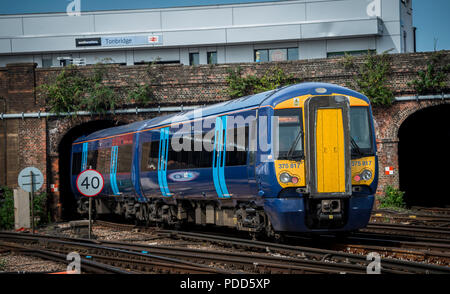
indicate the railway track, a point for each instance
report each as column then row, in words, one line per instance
column 413, row 217
column 87, row 266
column 431, row 234
column 403, row 247
column 432, row 210
column 388, row 265
column 235, row 262
column 395, row 245
column 123, row 260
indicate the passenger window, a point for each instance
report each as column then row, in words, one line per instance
column 149, row 157
column 237, row 146
column 92, row 159
column 76, row 163
column 124, row 159
column 103, row 160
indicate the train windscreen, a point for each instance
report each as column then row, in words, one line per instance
column 360, row 131
column 290, row 134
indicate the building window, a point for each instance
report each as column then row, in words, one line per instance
column 292, row 53
column 194, row 59
column 47, row 62
column 212, row 57
column 353, row 53
column 280, row 54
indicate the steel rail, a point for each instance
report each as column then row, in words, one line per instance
column 387, row 263
column 87, row 265
column 370, row 238
column 113, row 255
column 253, row 263
column 438, row 235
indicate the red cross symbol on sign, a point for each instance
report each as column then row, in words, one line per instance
column 389, row 170
column 54, row 187
column 153, row 39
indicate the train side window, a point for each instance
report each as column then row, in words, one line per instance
column 252, row 143
column 237, row 146
column 76, row 163
column 102, row 160
column 182, row 159
column 124, row 159
column 92, row 159
column 203, row 158
column 107, row 161
column 149, row 157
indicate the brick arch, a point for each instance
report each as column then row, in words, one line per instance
column 411, row 108
column 388, row 123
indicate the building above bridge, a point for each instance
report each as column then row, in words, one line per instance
column 216, row 33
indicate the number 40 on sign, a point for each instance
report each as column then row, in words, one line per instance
column 90, row 183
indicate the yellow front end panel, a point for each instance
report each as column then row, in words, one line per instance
column 330, row 151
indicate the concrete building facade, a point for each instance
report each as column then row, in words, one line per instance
column 191, row 35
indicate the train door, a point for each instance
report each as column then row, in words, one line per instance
column 149, row 163
column 251, row 160
column 328, row 151
column 232, row 146
column 219, row 157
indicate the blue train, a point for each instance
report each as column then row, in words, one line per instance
column 301, row 158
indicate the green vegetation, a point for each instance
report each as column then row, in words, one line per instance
column 370, row 77
column 2, row 265
column 240, row 85
column 6, row 209
column 40, row 208
column 141, row 94
column 393, row 198
column 73, row 91
column 433, row 79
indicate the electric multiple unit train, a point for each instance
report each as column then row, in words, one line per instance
column 301, row 158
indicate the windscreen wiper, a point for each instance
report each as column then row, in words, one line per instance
column 356, row 147
column 291, row 150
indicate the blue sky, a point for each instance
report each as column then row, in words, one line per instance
column 430, row 17
column 433, row 22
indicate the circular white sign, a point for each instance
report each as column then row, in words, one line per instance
column 25, row 181
column 90, row 183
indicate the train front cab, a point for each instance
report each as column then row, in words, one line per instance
column 328, row 180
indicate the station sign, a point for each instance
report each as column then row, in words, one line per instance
column 90, row 183
column 118, row 41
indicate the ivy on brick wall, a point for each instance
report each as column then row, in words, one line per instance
column 432, row 80
column 73, row 91
column 242, row 85
column 141, row 94
column 371, row 76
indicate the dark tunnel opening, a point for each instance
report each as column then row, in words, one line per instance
column 68, row 203
column 424, row 160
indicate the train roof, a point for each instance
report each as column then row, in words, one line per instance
column 271, row 97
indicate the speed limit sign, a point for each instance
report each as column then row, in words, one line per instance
column 90, row 183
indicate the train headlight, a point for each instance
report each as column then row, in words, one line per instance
column 366, row 175
column 285, row 178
